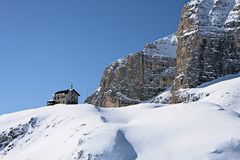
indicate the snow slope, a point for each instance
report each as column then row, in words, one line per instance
column 204, row 130
column 224, row 91
column 147, row 131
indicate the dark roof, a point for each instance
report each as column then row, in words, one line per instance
column 63, row 91
column 75, row 91
column 67, row 91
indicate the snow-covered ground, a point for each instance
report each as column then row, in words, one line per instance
column 224, row 91
column 203, row 130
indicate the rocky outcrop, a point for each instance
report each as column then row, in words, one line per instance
column 208, row 43
column 7, row 138
column 208, row 48
column 138, row 77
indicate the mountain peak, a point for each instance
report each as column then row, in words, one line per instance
column 166, row 46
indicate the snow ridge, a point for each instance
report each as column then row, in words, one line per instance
column 163, row 47
column 166, row 46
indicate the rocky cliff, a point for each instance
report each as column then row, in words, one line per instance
column 208, row 42
column 208, row 48
column 138, row 77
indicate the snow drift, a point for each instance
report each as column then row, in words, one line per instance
column 203, row 130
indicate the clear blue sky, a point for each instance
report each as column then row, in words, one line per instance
column 47, row 45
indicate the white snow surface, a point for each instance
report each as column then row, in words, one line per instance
column 166, row 46
column 224, row 91
column 204, row 130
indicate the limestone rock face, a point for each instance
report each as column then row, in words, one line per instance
column 138, row 77
column 208, row 42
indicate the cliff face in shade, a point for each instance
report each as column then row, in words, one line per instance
column 138, row 77
column 208, row 43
